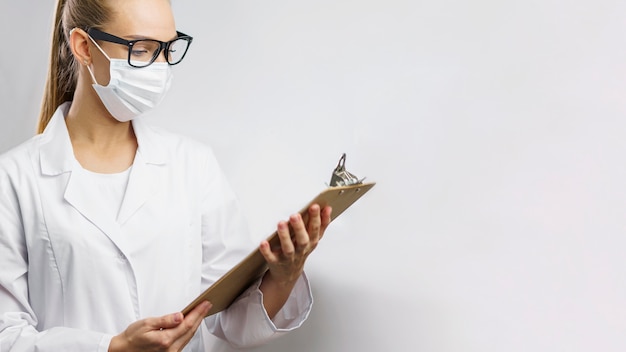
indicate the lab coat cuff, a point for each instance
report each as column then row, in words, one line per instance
column 295, row 310
column 246, row 322
column 105, row 341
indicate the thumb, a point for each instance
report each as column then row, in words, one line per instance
column 167, row 321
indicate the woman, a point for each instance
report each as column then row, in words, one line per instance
column 108, row 225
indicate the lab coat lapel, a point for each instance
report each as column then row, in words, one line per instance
column 57, row 159
column 147, row 174
column 143, row 183
column 77, row 195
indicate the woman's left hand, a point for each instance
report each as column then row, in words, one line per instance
column 286, row 263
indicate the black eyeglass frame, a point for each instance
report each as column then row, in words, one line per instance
column 97, row 34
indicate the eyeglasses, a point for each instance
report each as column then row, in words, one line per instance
column 143, row 52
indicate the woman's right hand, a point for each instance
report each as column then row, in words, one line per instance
column 169, row 333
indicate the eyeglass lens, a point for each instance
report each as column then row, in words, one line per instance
column 144, row 52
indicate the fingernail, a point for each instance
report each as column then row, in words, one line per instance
column 178, row 317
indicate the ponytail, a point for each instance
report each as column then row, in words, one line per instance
column 61, row 82
column 63, row 69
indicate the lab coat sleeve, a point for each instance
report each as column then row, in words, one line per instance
column 246, row 323
column 226, row 240
column 18, row 321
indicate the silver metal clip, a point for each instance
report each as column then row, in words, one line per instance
column 341, row 177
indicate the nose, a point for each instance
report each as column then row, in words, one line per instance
column 161, row 56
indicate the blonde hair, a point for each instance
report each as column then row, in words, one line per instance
column 63, row 68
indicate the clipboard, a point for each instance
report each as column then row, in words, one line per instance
column 232, row 284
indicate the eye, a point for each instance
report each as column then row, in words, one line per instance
column 140, row 52
column 144, row 48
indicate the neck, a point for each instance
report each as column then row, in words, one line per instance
column 100, row 142
column 89, row 122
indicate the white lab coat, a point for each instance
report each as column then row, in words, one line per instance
column 70, row 279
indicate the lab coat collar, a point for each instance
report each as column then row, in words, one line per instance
column 146, row 176
column 57, row 155
column 151, row 146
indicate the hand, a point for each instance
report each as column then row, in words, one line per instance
column 286, row 262
column 168, row 333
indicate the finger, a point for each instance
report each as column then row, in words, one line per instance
column 301, row 235
column 314, row 224
column 325, row 218
column 266, row 251
column 165, row 322
column 200, row 311
column 190, row 324
column 286, row 245
column 197, row 313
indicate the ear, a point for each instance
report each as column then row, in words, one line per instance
column 80, row 46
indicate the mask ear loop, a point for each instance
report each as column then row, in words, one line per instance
column 93, row 77
column 99, row 48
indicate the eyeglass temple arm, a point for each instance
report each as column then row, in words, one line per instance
column 97, row 34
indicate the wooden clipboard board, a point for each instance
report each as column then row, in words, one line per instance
column 232, row 284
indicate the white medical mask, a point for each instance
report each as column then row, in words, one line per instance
column 132, row 91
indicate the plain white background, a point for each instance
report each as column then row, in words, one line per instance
column 494, row 129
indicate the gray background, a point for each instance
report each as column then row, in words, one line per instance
column 494, row 129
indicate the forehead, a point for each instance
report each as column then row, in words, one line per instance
column 142, row 18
